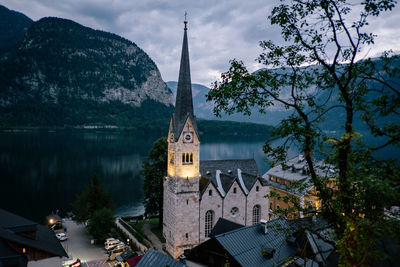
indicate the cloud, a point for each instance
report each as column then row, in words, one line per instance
column 218, row 30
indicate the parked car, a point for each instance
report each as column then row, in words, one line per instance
column 61, row 236
column 114, row 253
column 120, row 245
column 111, row 243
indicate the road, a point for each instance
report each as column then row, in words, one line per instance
column 78, row 246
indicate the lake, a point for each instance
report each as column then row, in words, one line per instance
column 42, row 172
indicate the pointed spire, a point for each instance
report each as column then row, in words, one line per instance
column 184, row 102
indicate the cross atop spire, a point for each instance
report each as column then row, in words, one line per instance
column 185, row 21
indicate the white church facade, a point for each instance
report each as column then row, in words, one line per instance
column 198, row 192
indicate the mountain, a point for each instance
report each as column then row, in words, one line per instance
column 204, row 109
column 63, row 73
column 13, row 26
column 333, row 122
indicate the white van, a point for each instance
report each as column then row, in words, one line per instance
column 111, row 243
column 114, row 253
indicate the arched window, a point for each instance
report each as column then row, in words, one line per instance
column 234, row 190
column 183, row 157
column 257, row 188
column 191, row 158
column 209, row 222
column 256, row 214
column 187, row 157
column 210, row 192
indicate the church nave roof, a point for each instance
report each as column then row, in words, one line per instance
column 223, row 173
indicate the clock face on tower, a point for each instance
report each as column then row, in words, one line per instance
column 188, row 137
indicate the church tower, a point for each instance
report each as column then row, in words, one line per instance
column 181, row 186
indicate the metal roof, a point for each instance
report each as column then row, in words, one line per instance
column 223, row 173
column 223, row 226
column 245, row 244
column 153, row 258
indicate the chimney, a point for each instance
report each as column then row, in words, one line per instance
column 264, row 226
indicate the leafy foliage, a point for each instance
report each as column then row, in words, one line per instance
column 322, row 33
column 101, row 223
column 91, row 200
column 154, row 169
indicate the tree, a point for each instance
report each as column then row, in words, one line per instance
column 315, row 73
column 101, row 223
column 92, row 199
column 154, row 169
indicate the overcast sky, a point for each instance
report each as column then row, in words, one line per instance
column 218, row 30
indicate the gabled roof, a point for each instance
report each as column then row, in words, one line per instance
column 223, row 173
column 223, row 226
column 296, row 169
column 245, row 244
column 153, row 258
column 13, row 226
column 284, row 240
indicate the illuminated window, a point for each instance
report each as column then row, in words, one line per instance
column 271, row 178
column 209, row 222
column 277, row 180
column 187, row 158
column 256, row 214
column 171, row 156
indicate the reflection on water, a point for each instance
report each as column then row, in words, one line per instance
column 41, row 172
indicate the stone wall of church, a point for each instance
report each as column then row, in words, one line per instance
column 235, row 200
column 168, row 218
column 209, row 202
column 181, row 225
column 257, row 198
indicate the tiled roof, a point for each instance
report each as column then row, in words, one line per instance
column 225, row 172
column 11, row 225
column 153, row 258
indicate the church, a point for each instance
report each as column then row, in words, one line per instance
column 196, row 193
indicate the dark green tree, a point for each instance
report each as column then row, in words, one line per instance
column 154, row 169
column 92, row 199
column 101, row 223
column 316, row 73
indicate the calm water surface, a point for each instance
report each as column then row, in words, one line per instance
column 41, row 172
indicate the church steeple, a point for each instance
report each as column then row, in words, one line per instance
column 184, row 101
